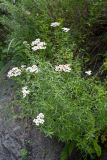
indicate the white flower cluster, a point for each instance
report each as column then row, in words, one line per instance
column 63, row 68
column 25, row 91
column 37, row 44
column 55, row 24
column 32, row 69
column 14, row 72
column 89, row 72
column 65, row 29
column 39, row 119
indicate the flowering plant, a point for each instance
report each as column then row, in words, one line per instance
column 63, row 104
column 53, row 93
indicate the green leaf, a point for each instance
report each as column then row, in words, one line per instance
column 66, row 151
column 97, row 148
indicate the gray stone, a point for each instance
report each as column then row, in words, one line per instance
column 43, row 148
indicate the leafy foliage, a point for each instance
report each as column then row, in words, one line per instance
column 87, row 19
column 74, row 107
column 66, row 151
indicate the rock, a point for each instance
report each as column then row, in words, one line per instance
column 43, row 148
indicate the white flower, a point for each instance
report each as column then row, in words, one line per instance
column 25, row 91
column 89, row 72
column 41, row 44
column 25, row 42
column 63, row 68
column 32, row 69
column 23, row 66
column 35, row 48
column 65, row 29
column 37, row 44
column 28, row 13
column 55, row 24
column 39, row 119
column 40, row 115
column 36, row 122
column 14, row 72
